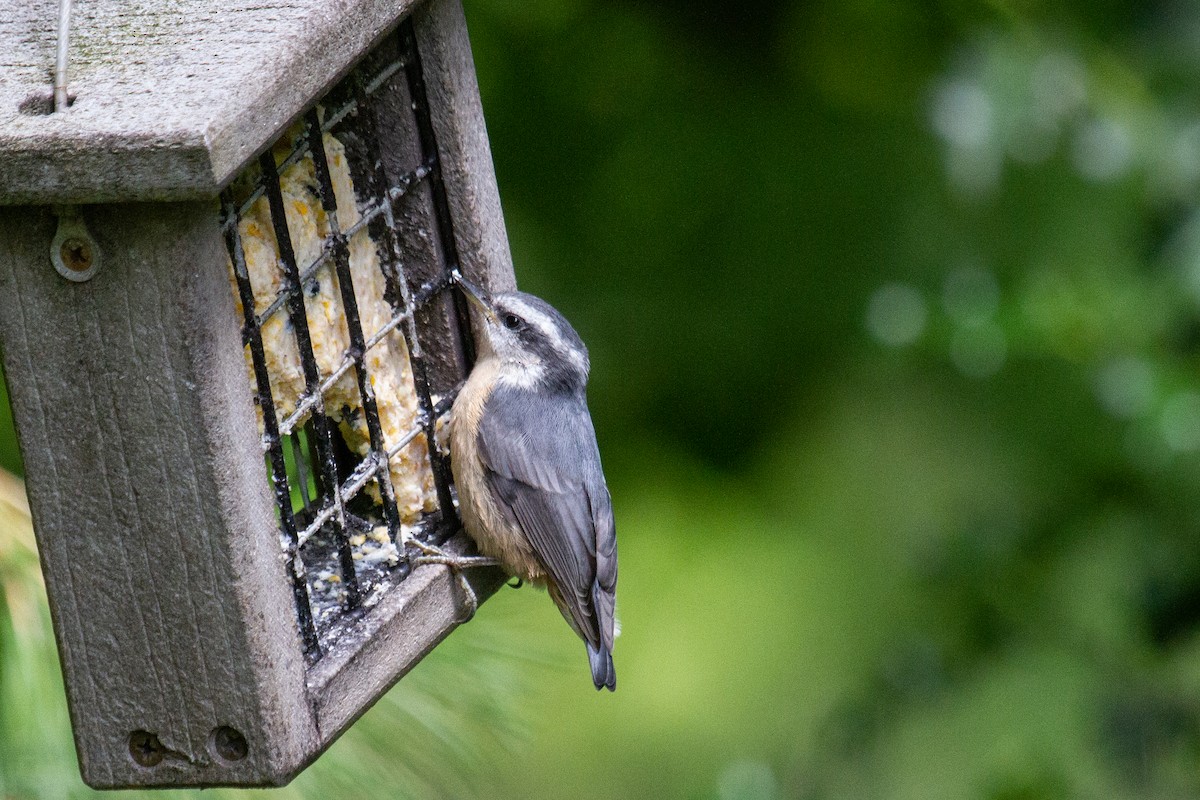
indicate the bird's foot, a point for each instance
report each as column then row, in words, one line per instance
column 432, row 554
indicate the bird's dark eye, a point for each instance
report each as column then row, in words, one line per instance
column 512, row 321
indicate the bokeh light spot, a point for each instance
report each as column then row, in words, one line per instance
column 897, row 314
column 747, row 780
column 1102, row 150
column 970, row 295
column 1059, row 85
column 1180, row 422
column 1125, row 387
column 962, row 115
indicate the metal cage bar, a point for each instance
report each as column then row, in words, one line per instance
column 298, row 316
column 351, row 108
column 358, row 347
column 420, row 105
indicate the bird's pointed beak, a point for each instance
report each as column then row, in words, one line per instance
column 476, row 296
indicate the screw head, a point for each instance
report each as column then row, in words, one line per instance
column 76, row 254
column 146, row 749
column 228, row 744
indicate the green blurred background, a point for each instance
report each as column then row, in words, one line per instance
column 894, row 311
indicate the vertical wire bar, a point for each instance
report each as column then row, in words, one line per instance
column 377, row 187
column 283, row 497
column 358, row 346
column 429, row 152
column 312, row 379
column 396, row 285
column 399, row 290
column 408, row 304
column 390, row 263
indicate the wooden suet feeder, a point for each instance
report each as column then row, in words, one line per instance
column 231, row 337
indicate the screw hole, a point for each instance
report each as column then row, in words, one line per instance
column 146, row 749
column 228, row 744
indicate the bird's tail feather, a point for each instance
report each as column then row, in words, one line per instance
column 603, row 673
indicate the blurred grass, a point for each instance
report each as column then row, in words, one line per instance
column 10, row 459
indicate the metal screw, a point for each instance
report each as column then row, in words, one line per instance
column 146, row 749
column 228, row 744
column 76, row 254
column 73, row 252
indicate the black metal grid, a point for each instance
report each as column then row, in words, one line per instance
column 381, row 114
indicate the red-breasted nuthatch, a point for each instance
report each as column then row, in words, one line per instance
column 530, row 487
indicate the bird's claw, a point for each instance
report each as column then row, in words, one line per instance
column 432, row 554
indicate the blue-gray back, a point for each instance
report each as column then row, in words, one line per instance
column 543, row 465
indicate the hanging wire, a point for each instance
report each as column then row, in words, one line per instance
column 61, row 99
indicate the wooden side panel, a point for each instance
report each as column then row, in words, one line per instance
column 146, row 481
column 462, row 142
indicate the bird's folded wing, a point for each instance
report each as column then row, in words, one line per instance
column 543, row 464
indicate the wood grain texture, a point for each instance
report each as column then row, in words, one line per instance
column 171, row 99
column 156, row 531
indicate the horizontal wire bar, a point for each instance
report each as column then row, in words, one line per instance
column 348, row 360
column 387, row 72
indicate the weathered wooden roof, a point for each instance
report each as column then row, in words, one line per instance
column 171, row 97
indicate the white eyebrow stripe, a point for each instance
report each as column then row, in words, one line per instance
column 577, row 359
column 535, row 316
column 549, row 327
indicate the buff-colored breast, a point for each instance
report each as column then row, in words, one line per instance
column 482, row 518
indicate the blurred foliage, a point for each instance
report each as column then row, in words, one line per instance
column 894, row 311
